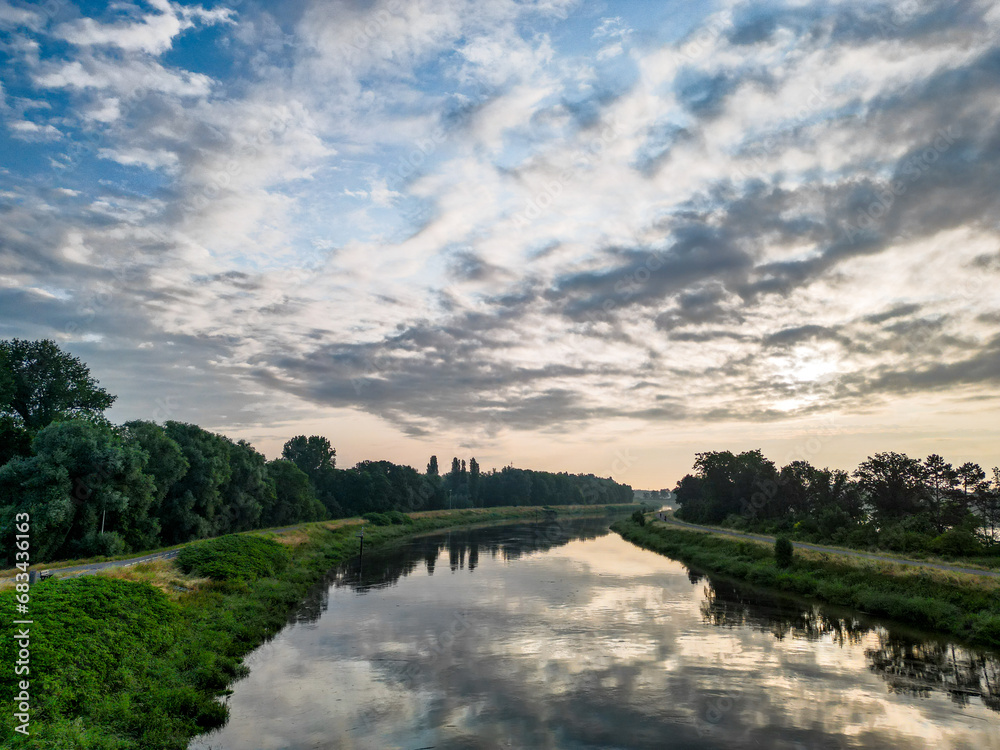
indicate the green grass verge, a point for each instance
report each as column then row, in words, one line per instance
column 119, row 665
column 969, row 610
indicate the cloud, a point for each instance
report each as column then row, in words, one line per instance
column 453, row 214
column 153, row 33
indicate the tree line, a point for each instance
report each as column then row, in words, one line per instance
column 381, row 486
column 95, row 488
column 891, row 501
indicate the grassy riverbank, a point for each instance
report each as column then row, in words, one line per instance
column 965, row 606
column 134, row 659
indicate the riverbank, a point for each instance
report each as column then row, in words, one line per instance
column 135, row 658
column 966, row 606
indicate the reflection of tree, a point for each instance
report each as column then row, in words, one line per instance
column 915, row 668
column 729, row 605
column 907, row 665
column 385, row 569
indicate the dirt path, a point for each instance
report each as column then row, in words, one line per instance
column 88, row 568
column 834, row 550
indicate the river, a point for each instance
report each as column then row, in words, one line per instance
column 562, row 635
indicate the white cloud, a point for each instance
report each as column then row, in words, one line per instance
column 28, row 130
column 153, row 34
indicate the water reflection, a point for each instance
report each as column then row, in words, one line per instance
column 909, row 665
column 560, row 635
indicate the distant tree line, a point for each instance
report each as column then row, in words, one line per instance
column 380, row 486
column 95, row 488
column 891, row 501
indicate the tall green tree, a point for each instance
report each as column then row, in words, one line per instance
column 80, row 477
column 248, row 492
column 166, row 463
column 970, row 476
column 432, row 467
column 40, row 383
column 893, row 484
column 294, row 500
column 474, row 481
column 940, row 480
column 313, row 455
column 192, row 508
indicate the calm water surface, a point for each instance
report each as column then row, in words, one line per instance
column 561, row 635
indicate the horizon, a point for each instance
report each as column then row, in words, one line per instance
column 584, row 237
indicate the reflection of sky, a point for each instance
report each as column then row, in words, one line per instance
column 592, row 644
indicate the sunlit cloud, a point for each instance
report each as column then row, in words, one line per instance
column 492, row 224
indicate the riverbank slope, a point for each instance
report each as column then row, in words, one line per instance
column 135, row 658
column 958, row 604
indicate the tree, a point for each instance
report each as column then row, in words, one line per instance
column 893, row 484
column 474, row 481
column 456, row 467
column 986, row 501
column 40, row 383
column 14, row 439
column 80, row 477
column 971, row 476
column 313, row 455
column 294, row 501
column 940, row 480
column 192, row 506
column 432, row 467
column 248, row 491
column 166, row 463
column 729, row 484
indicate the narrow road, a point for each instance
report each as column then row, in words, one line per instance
column 832, row 550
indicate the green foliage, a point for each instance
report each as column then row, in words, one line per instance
column 117, row 666
column 783, row 552
column 97, row 659
column 193, row 504
column 892, row 502
column 378, row 519
column 79, row 476
column 234, row 557
column 399, row 518
column 313, row 455
column 966, row 611
column 294, row 500
column 14, row 439
column 40, row 383
column 639, row 518
column 956, row 543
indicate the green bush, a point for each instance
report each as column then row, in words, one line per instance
column 378, row 519
column 639, row 518
column 234, row 557
column 783, row 552
column 398, row 517
column 956, row 543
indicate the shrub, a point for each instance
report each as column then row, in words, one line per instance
column 378, row 519
column 234, row 557
column 783, row 552
column 956, row 543
column 639, row 518
column 398, row 517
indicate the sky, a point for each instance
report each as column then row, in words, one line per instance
column 586, row 236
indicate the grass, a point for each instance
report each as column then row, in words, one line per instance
column 134, row 658
column 961, row 605
column 983, row 562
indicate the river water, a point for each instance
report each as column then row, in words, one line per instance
column 562, row 635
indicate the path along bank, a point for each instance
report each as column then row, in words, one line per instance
column 958, row 604
column 136, row 658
